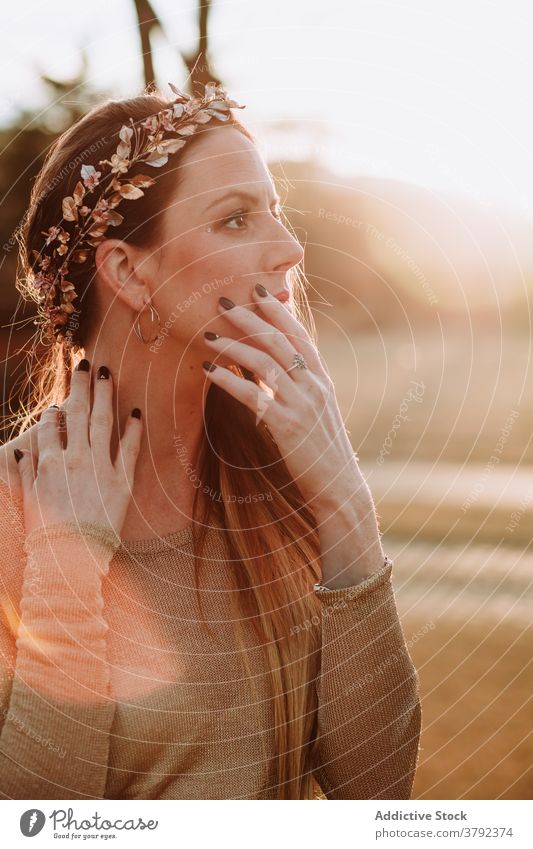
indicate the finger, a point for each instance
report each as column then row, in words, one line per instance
column 260, row 362
column 248, row 393
column 48, row 435
column 27, row 467
column 130, row 446
column 281, row 319
column 101, row 421
column 77, row 410
column 285, row 320
column 267, row 339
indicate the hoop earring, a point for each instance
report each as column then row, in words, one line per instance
column 137, row 326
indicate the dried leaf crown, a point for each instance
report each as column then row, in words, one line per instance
column 90, row 212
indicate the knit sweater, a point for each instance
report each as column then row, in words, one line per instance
column 109, row 689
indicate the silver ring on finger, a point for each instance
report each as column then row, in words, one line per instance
column 298, row 362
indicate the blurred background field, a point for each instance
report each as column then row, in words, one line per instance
column 419, row 259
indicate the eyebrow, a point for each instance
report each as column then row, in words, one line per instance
column 251, row 198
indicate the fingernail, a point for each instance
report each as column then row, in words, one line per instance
column 226, row 303
column 83, row 365
column 18, row 454
column 103, row 373
column 261, row 290
column 210, row 335
column 136, row 413
column 208, row 366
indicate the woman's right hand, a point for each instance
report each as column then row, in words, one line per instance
column 80, row 483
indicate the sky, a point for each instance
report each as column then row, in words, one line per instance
column 430, row 92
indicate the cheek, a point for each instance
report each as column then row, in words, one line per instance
column 225, row 275
column 199, row 270
column 207, row 262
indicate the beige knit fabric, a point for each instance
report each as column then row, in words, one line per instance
column 109, row 688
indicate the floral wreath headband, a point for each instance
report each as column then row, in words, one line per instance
column 91, row 212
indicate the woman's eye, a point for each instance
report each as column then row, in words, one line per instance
column 236, row 217
column 241, row 216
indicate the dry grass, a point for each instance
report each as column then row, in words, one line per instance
column 474, row 663
column 476, row 684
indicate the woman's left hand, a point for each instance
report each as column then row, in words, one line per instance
column 303, row 416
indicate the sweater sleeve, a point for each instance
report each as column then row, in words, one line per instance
column 369, row 712
column 56, row 710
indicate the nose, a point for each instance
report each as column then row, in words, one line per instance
column 287, row 250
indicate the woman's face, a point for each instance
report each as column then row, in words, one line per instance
column 221, row 235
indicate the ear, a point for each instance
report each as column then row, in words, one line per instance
column 116, row 263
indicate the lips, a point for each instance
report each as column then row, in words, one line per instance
column 282, row 296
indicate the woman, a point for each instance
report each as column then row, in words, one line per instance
column 191, row 557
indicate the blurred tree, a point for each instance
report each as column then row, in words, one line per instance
column 197, row 62
column 148, row 23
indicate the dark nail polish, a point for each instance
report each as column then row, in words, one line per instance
column 208, row 366
column 261, row 290
column 18, row 454
column 210, row 335
column 226, row 303
column 136, row 413
column 103, row 373
column 83, row 365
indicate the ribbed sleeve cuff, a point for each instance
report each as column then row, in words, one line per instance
column 65, row 530
column 357, row 592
